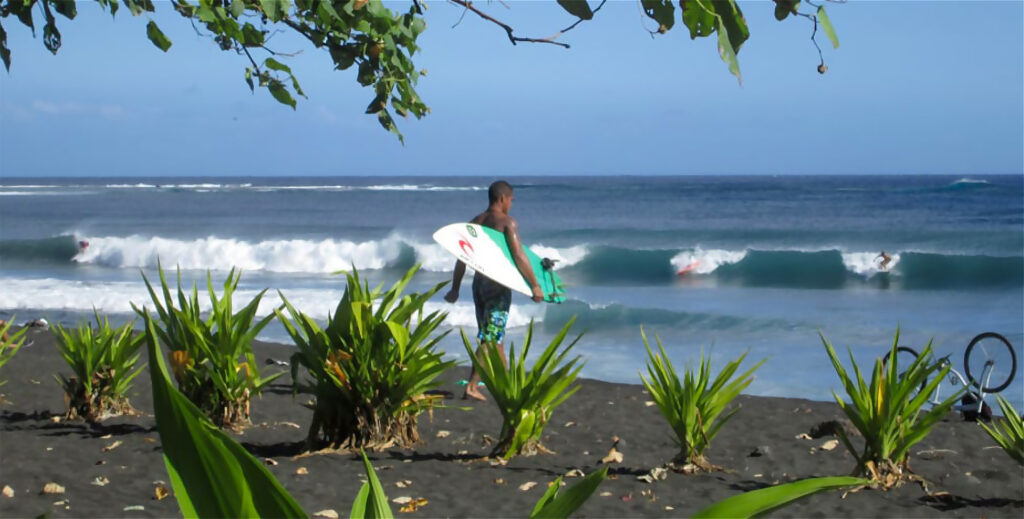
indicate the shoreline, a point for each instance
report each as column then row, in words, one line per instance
column 757, row 448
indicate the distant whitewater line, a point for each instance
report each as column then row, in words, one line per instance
column 33, row 189
column 586, row 264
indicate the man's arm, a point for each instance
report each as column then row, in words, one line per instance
column 453, row 294
column 515, row 246
column 460, row 271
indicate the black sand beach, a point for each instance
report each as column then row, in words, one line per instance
column 758, row 448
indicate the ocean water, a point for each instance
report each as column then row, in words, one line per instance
column 775, row 260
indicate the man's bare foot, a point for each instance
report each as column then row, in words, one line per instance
column 474, row 393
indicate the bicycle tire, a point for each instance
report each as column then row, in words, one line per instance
column 906, row 349
column 994, row 388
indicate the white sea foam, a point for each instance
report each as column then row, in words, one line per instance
column 116, row 297
column 706, row 260
column 414, row 187
column 34, row 193
column 291, row 256
column 433, row 257
column 967, row 180
column 225, row 253
column 867, row 263
column 566, row 256
column 299, row 188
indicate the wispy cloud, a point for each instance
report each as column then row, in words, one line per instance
column 325, row 115
column 107, row 111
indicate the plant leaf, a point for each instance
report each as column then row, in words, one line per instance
column 565, row 503
column 826, row 25
column 661, row 11
column 378, row 501
column 578, row 8
column 157, row 36
column 212, row 475
column 749, row 504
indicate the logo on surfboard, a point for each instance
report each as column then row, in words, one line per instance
column 466, row 247
column 472, row 231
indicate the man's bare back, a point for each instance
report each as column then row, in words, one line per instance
column 496, row 220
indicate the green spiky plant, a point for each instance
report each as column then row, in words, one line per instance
column 526, row 398
column 370, row 367
column 213, row 476
column 9, row 344
column 693, row 406
column 887, row 411
column 103, row 360
column 1009, row 432
column 212, row 357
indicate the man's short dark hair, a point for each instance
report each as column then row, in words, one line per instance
column 498, row 190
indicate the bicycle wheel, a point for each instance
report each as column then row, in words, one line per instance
column 990, row 356
column 905, row 356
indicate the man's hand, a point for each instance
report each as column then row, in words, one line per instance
column 452, row 295
column 538, row 295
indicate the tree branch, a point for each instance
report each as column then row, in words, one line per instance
column 511, row 32
column 814, row 33
column 577, row 22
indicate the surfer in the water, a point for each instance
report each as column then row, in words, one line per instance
column 491, row 299
column 884, row 264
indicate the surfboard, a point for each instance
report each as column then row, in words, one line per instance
column 689, row 268
column 486, row 251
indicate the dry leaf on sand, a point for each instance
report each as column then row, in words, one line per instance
column 527, row 486
column 405, row 483
column 8, row 491
column 413, row 505
column 301, row 471
column 443, row 434
column 829, row 445
column 100, row 481
column 270, row 461
column 402, row 500
column 613, row 456
column 160, row 491
column 327, row 514
column 112, row 446
column 52, row 488
column 575, row 473
column 655, row 474
column 803, row 436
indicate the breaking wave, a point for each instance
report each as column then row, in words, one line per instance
column 577, row 264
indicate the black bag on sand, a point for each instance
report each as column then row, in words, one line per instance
column 969, row 408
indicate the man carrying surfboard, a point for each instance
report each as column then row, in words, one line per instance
column 492, row 300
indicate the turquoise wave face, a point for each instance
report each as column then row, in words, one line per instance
column 599, row 265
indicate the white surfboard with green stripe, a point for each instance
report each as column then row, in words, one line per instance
column 486, row 251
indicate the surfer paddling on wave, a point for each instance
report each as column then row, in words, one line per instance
column 492, row 300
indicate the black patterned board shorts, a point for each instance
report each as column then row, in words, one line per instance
column 492, row 302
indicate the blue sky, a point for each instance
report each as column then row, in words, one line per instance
column 915, row 87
